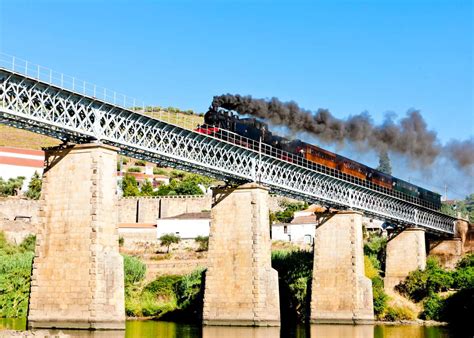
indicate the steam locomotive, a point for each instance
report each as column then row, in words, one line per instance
column 336, row 165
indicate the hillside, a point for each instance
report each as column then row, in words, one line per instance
column 18, row 138
column 12, row 137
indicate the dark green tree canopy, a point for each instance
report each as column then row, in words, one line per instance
column 384, row 163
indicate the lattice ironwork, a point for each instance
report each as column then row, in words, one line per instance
column 38, row 106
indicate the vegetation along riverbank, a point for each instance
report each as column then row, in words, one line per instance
column 434, row 294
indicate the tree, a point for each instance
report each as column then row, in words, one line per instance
column 384, row 163
column 147, row 189
column 12, row 186
column 130, row 186
column 34, row 187
column 168, row 239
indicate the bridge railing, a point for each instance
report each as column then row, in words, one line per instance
column 61, row 80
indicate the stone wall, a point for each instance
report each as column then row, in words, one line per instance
column 448, row 251
column 148, row 210
column 78, row 278
column 13, row 207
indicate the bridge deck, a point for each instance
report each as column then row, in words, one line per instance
column 48, row 108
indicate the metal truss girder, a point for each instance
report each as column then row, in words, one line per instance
column 36, row 106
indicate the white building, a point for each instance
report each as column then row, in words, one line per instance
column 16, row 162
column 186, row 226
column 303, row 226
column 300, row 230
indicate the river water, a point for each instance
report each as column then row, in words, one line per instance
column 149, row 328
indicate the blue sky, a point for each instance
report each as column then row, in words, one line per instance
column 347, row 56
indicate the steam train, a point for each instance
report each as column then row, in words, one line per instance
column 337, row 165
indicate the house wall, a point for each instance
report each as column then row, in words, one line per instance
column 185, row 228
column 295, row 233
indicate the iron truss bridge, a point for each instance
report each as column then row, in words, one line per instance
column 44, row 103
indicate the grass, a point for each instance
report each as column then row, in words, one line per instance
column 19, row 138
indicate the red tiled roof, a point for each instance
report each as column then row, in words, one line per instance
column 22, row 151
column 21, row 162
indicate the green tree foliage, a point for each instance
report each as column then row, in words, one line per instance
column 295, row 270
column 147, row 189
column 286, row 216
column 422, row 283
column 168, row 239
column 134, row 270
column 134, row 170
column 384, row 163
column 34, row 187
column 183, row 183
column 427, row 285
column 170, row 297
column 15, row 270
column 140, row 163
column 12, row 186
column 159, row 171
column 130, row 186
column 203, row 242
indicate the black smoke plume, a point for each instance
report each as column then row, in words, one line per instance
column 410, row 136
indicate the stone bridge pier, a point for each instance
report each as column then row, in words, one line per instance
column 340, row 291
column 406, row 252
column 241, row 288
column 77, row 280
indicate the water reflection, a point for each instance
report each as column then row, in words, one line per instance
column 13, row 324
column 150, row 328
column 335, row 331
column 240, row 331
column 415, row 331
column 160, row 329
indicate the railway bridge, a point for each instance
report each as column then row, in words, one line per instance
column 77, row 273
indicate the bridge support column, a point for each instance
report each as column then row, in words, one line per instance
column 406, row 252
column 78, row 278
column 241, row 287
column 340, row 292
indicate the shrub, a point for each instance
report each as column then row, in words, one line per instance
column 394, row 313
column 189, row 289
column 422, row 283
column 466, row 262
column 140, row 163
column 159, row 171
column 28, row 244
column 15, row 275
column 463, row 278
column 121, row 241
column 134, row 170
column 432, row 307
column 379, row 296
column 134, row 269
column 295, row 272
column 203, row 242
